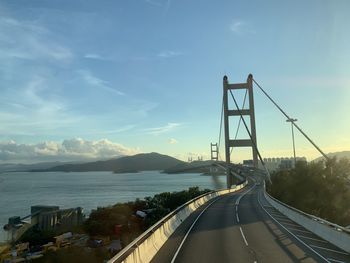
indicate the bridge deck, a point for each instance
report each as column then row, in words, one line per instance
column 238, row 228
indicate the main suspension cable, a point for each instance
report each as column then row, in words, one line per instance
column 220, row 130
column 293, row 123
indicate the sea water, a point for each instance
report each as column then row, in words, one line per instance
column 89, row 190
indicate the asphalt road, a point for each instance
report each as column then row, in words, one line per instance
column 243, row 227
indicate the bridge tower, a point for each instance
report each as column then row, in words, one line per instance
column 214, row 152
column 251, row 142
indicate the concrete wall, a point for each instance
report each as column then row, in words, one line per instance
column 333, row 233
column 147, row 245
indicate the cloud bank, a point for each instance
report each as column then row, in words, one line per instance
column 69, row 150
column 172, row 141
column 163, row 129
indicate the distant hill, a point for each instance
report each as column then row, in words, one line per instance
column 339, row 155
column 19, row 167
column 138, row 162
column 192, row 167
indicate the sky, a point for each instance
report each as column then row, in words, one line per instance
column 99, row 79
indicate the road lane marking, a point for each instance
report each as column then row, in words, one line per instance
column 335, row 260
column 189, row 230
column 299, row 230
column 286, row 221
column 279, row 215
column 239, row 199
column 331, row 250
column 243, row 194
column 314, row 239
column 297, row 238
column 245, row 240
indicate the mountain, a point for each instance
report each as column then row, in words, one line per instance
column 192, row 167
column 338, row 155
column 19, row 167
column 138, row 162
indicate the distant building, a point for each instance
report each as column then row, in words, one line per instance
column 281, row 163
column 53, row 218
column 248, row 162
column 45, row 218
column 286, row 164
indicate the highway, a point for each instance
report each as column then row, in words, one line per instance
column 243, row 227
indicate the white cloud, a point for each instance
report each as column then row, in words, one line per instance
column 241, row 27
column 69, row 150
column 33, row 90
column 30, row 41
column 236, row 26
column 160, row 3
column 94, row 56
column 169, row 54
column 96, row 82
column 163, row 129
column 172, row 141
column 35, row 108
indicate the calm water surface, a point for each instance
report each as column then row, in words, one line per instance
column 18, row 191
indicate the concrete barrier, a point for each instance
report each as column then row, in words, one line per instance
column 335, row 234
column 144, row 248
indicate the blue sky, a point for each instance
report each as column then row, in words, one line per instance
column 120, row 77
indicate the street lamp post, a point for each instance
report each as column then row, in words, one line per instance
column 292, row 124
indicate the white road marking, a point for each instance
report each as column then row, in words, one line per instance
column 268, row 206
column 299, row 230
column 245, row 240
column 239, row 199
column 237, row 217
column 291, row 224
column 284, row 220
column 243, row 194
column 297, row 238
column 189, row 230
column 331, row 250
column 279, row 215
column 335, row 260
column 314, row 239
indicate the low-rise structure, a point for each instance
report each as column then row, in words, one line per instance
column 276, row 163
column 53, row 218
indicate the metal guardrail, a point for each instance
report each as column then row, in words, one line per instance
column 315, row 218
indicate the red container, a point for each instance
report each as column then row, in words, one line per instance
column 118, row 230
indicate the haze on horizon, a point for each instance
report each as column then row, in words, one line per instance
column 80, row 80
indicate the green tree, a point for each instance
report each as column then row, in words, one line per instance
column 321, row 189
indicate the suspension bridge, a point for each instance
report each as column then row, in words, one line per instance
column 242, row 223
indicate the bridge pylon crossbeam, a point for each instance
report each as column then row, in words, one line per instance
column 252, row 142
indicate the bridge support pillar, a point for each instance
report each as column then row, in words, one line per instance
column 214, row 152
column 251, row 142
